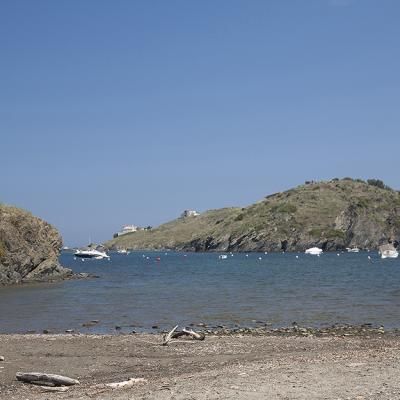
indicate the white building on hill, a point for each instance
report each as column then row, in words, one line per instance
column 189, row 213
column 127, row 229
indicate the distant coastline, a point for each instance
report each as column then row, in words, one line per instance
column 332, row 215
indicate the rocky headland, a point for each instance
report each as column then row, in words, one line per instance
column 331, row 214
column 29, row 248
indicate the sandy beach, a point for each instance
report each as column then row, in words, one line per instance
column 220, row 367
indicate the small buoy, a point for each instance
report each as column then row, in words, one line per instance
column 147, row 258
column 247, row 255
column 82, row 259
column 158, row 259
column 297, row 256
column 369, row 257
column 75, row 258
column 338, row 254
column 260, row 258
column 266, row 252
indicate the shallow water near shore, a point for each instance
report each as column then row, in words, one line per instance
column 146, row 289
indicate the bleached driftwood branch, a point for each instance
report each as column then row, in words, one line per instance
column 54, row 388
column 193, row 334
column 126, row 384
column 39, row 378
column 169, row 336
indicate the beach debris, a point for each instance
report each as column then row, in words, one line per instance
column 126, row 384
column 54, row 388
column 173, row 334
column 43, row 379
column 2, row 358
column 168, row 336
column 192, row 333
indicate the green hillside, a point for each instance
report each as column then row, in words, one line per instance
column 333, row 215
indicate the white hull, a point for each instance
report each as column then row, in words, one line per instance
column 389, row 254
column 96, row 254
column 123, row 251
column 315, row 251
column 353, row 250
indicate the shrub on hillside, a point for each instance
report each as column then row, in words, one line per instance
column 378, row 183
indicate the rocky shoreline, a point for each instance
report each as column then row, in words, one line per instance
column 263, row 329
column 29, row 249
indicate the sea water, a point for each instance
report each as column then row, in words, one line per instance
column 162, row 289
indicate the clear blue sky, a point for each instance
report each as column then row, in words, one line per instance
column 115, row 112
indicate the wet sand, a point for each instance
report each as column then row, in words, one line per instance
column 220, row 367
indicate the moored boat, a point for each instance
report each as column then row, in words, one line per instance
column 388, row 251
column 123, row 251
column 315, row 251
column 91, row 253
column 352, row 249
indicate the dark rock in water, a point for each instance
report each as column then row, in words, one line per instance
column 89, row 324
column 154, row 327
column 117, row 328
column 45, row 331
column 29, row 248
column 83, row 275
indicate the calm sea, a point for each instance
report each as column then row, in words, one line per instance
column 141, row 290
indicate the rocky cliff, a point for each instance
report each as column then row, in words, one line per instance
column 29, row 248
column 332, row 215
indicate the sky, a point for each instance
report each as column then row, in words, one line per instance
column 128, row 112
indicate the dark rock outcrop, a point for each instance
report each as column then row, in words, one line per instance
column 29, row 248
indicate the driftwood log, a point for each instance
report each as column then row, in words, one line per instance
column 173, row 334
column 42, row 379
column 126, row 384
column 193, row 334
column 55, row 389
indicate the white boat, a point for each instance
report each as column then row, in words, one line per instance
column 315, row 251
column 91, row 253
column 223, row 257
column 388, row 251
column 352, row 249
column 123, row 251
